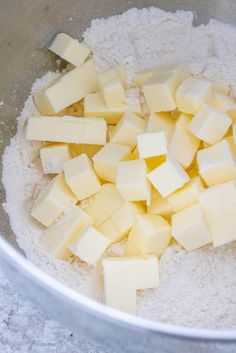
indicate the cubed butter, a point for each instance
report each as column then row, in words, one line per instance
column 81, row 177
column 150, row 235
column 168, row 177
column 183, row 145
column 127, row 129
column 107, row 159
column 192, row 94
column 120, row 72
column 53, row 157
column 159, row 205
column 69, row 49
column 225, row 104
column 152, row 144
column 68, row 89
column 67, row 129
column 161, row 122
column 210, row 124
column 219, row 87
column 113, row 93
column 190, row 229
column 52, row 201
column 123, row 276
column 57, row 237
column 217, row 164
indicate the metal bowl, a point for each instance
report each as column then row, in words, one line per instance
column 26, row 29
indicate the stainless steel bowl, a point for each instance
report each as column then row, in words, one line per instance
column 26, row 29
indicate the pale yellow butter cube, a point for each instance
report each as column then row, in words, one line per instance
column 123, row 276
column 89, row 245
column 57, row 237
column 210, row 124
column 69, row 49
column 132, row 182
column 113, row 93
column 192, row 94
column 53, row 157
column 94, row 105
column 187, row 195
column 107, row 159
column 119, row 224
column 143, row 76
column 150, row 235
column 190, row 229
column 219, row 87
column 127, row 129
column 152, row 144
column 159, row 205
column 67, row 129
column 81, row 177
column 102, row 205
column 68, row 89
column 52, row 201
column 225, row 104
column 120, row 72
column 217, row 164
column 183, row 145
column 168, row 177
column 219, row 207
column 161, row 122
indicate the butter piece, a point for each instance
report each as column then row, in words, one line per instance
column 183, row 145
column 94, row 105
column 113, row 93
column 89, row 245
column 69, row 49
column 192, row 94
column 159, row 205
column 143, row 76
column 219, row 207
column 133, row 273
column 90, row 150
column 127, row 129
column 186, row 196
column 107, row 159
column 150, row 235
column 81, row 177
column 53, row 157
column 189, row 228
column 132, row 182
column 52, row 201
column 102, row 205
column 119, row 224
column 152, row 144
column 219, row 87
column 210, row 124
column 57, row 237
column 168, row 177
column 161, row 122
column 217, row 164
column 225, row 104
column 67, row 129
column 120, row 72
column 68, row 89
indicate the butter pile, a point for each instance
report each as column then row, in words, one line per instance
column 120, row 173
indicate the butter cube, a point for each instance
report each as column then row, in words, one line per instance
column 161, row 122
column 89, row 245
column 168, row 177
column 189, row 228
column 57, row 237
column 159, row 205
column 210, row 125
column 53, row 157
column 52, row 201
column 219, row 87
column 143, row 76
column 219, row 207
column 67, row 129
column 152, row 144
column 119, row 224
column 107, row 159
column 192, row 94
column 123, row 276
column 102, row 205
column 186, row 196
column 217, row 164
column 68, row 89
column 225, row 104
column 69, row 49
column 132, row 182
column 150, row 235
column 94, row 105
column 183, row 145
column 127, row 129
column 90, row 150
column 81, row 177
column 120, row 72
column 113, row 93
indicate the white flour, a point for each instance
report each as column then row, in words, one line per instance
column 197, row 289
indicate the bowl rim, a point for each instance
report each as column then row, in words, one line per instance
column 22, row 264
